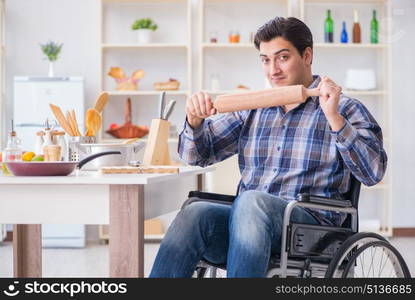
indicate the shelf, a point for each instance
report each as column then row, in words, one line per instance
column 345, row 1
column 347, row 92
column 143, row 46
column 350, row 45
column 229, row 45
column 142, row 1
column 145, row 93
column 117, row 141
column 219, row 92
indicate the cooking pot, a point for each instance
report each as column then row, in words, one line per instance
column 129, row 153
column 54, row 168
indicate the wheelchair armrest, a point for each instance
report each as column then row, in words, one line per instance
column 197, row 196
column 304, row 197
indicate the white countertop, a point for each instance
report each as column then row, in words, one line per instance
column 94, row 177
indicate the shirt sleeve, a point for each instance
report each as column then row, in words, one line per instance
column 360, row 143
column 213, row 141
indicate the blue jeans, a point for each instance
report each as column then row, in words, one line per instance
column 243, row 236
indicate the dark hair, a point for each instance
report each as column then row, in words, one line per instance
column 291, row 29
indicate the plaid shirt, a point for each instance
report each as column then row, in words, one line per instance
column 285, row 154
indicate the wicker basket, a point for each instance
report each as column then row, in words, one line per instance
column 128, row 130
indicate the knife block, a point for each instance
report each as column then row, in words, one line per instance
column 157, row 148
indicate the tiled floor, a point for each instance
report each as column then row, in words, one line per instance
column 92, row 261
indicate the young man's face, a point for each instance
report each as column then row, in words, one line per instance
column 283, row 65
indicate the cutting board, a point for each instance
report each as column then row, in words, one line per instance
column 138, row 170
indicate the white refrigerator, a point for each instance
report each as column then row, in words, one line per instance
column 32, row 96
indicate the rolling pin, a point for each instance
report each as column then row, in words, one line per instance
column 264, row 98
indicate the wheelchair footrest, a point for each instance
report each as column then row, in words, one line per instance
column 315, row 241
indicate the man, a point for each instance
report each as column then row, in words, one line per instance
column 312, row 147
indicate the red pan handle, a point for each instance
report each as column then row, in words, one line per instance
column 93, row 156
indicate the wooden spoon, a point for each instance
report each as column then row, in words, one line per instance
column 71, row 123
column 61, row 119
column 92, row 122
column 101, row 102
column 72, row 112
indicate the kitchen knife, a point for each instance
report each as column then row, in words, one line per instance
column 168, row 110
column 161, row 104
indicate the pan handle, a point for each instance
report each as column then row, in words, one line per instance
column 93, row 156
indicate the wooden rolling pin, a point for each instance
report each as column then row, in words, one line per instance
column 265, row 98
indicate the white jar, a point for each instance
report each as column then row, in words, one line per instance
column 39, row 143
column 61, row 141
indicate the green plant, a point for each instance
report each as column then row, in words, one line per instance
column 51, row 50
column 145, row 23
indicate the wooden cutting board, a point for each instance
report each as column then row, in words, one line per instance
column 138, row 170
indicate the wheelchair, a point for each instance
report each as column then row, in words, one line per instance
column 317, row 250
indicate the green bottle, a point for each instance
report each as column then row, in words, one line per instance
column 328, row 28
column 374, row 30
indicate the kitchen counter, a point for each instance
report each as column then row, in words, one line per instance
column 94, row 177
column 85, row 197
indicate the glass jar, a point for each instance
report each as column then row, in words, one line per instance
column 234, row 37
column 213, row 36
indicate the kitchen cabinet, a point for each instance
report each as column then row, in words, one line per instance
column 375, row 206
column 167, row 56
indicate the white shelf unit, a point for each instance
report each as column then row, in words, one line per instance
column 167, row 56
column 375, row 202
column 225, row 58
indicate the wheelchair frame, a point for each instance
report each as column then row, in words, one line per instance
column 291, row 262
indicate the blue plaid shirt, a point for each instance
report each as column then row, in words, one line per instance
column 285, row 154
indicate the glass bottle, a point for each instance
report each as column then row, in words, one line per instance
column 357, row 37
column 344, row 37
column 12, row 152
column 328, row 28
column 374, row 29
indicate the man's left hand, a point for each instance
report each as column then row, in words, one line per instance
column 329, row 102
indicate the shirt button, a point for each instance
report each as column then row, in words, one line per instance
column 278, row 148
column 186, row 131
column 283, row 126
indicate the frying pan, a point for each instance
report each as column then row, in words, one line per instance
column 53, row 168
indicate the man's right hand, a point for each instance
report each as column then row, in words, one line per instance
column 198, row 107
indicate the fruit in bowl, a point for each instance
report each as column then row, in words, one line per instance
column 28, row 156
column 38, row 158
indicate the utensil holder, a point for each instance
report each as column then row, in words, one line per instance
column 157, row 148
column 74, row 146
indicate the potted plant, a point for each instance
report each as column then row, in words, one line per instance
column 51, row 50
column 144, row 27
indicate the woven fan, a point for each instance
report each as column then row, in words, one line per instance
column 128, row 130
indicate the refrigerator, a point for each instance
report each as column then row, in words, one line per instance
column 31, row 98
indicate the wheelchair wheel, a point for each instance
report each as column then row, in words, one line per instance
column 349, row 246
column 377, row 259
